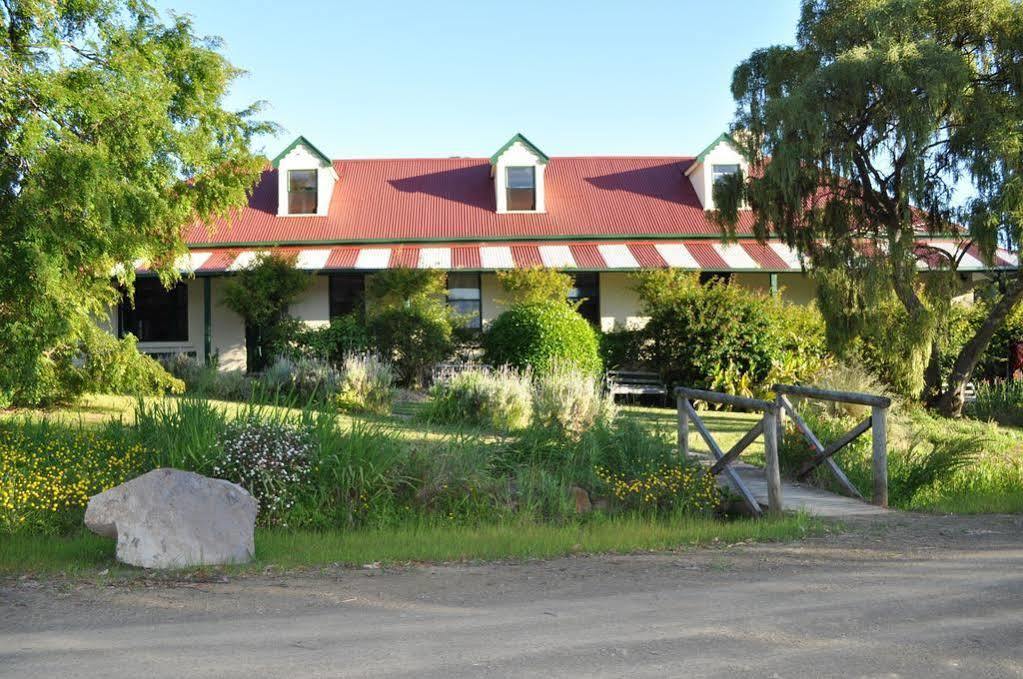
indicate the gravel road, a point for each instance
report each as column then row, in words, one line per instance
column 910, row 597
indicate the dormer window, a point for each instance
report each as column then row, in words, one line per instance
column 305, row 180
column 723, row 158
column 302, row 197
column 517, row 169
column 521, row 188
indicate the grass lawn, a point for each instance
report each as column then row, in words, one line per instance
column 86, row 554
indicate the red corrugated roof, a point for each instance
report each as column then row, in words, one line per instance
column 405, row 200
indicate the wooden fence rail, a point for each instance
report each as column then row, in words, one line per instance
column 766, row 426
column 876, row 423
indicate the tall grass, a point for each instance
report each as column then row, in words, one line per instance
column 1000, row 401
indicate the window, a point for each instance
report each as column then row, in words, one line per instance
column 464, row 297
column 722, row 171
column 521, row 188
column 586, row 288
column 347, row 294
column 159, row 315
column 301, row 192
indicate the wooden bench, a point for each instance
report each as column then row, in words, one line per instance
column 635, row 383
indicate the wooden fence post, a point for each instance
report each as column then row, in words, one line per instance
column 780, row 418
column 771, row 466
column 879, row 433
column 683, row 430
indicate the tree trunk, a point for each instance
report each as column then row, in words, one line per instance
column 950, row 403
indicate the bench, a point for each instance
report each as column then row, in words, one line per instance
column 635, row 383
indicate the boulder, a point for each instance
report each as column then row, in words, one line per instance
column 169, row 518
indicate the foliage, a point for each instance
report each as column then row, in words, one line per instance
column 260, row 293
column 412, row 339
column 535, row 285
column 869, row 130
column 115, row 366
column 496, row 399
column 1000, row 401
column 366, row 385
column 48, row 473
column 622, row 348
column 182, row 434
column 409, row 320
column 851, row 377
column 537, row 336
column 570, row 401
column 670, row 488
column 209, row 380
column 305, row 380
column 270, row 460
column 114, row 139
column 700, row 335
column 344, row 335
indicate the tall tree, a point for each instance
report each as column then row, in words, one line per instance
column 113, row 139
column 867, row 134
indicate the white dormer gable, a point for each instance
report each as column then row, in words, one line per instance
column 518, row 171
column 720, row 158
column 305, row 180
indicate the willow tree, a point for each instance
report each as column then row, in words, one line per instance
column 113, row 138
column 887, row 120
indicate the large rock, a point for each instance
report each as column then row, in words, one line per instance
column 168, row 518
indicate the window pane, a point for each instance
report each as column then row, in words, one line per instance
column 521, row 177
column 724, row 171
column 159, row 315
column 521, row 199
column 347, row 292
column 302, row 192
column 464, row 298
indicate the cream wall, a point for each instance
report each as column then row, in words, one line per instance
column 491, row 293
column 797, row 288
column 313, row 306
column 753, row 281
column 619, row 303
column 228, row 330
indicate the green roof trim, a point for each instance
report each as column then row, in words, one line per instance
column 305, row 142
column 723, row 137
column 519, row 137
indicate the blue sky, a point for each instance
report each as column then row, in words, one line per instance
column 444, row 78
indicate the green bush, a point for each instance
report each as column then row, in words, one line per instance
column 539, row 335
column 412, row 339
column 712, row 335
column 535, row 285
column 112, row 366
column 500, row 400
column 366, row 385
column 345, row 335
column 209, row 380
column 304, row 380
column 570, row 401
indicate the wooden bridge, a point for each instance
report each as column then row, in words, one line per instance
column 763, row 488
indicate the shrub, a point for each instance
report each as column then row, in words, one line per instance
column 535, row 285
column 412, row 339
column 537, row 336
column 712, row 335
column 622, row 349
column 260, row 293
column 851, row 377
column 345, row 335
column 684, row 488
column 209, row 380
column 271, row 460
column 570, row 401
column 115, row 366
column 48, row 472
column 308, row 379
column 366, row 385
column 409, row 321
column 1000, row 400
column 500, row 400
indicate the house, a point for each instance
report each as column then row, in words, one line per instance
column 598, row 218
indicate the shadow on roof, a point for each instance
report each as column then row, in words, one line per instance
column 664, row 182
column 467, row 185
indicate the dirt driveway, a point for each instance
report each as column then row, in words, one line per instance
column 915, row 597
